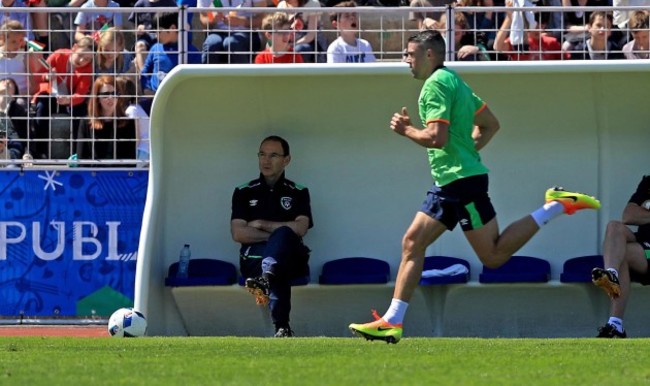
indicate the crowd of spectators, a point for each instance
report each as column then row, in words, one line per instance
column 67, row 76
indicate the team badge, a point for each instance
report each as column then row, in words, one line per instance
column 286, row 202
column 252, row 203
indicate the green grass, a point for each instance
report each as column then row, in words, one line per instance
column 322, row 361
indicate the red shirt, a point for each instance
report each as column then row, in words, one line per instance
column 550, row 50
column 266, row 57
column 78, row 80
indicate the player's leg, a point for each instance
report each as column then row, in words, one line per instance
column 422, row 232
column 478, row 220
column 617, row 237
column 494, row 249
column 634, row 266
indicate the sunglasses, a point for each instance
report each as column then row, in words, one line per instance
column 107, row 94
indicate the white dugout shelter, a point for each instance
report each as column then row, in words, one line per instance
column 585, row 126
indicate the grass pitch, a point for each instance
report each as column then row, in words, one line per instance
column 322, row 361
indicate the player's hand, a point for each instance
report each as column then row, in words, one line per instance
column 400, row 121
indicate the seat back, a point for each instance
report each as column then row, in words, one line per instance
column 519, row 269
column 355, row 270
column 203, row 272
column 441, row 263
column 578, row 269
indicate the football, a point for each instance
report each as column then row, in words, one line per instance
column 127, row 322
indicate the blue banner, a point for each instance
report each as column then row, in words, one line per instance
column 69, row 241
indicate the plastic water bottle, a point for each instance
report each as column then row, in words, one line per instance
column 184, row 262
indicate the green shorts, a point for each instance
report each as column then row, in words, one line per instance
column 643, row 278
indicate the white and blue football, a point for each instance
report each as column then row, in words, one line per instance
column 127, row 322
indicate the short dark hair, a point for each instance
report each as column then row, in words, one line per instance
column 605, row 15
column 334, row 16
column 430, row 39
column 166, row 20
column 283, row 142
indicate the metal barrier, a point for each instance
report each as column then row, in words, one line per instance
column 46, row 124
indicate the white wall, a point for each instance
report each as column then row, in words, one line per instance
column 580, row 125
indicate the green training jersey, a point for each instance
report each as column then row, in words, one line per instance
column 446, row 97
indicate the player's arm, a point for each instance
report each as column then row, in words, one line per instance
column 634, row 214
column 434, row 135
column 485, row 126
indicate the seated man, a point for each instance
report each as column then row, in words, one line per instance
column 270, row 215
column 232, row 36
column 626, row 257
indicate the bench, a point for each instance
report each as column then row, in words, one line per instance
column 551, row 309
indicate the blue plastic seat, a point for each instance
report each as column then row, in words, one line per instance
column 203, row 272
column 519, row 269
column 355, row 270
column 578, row 269
column 442, row 262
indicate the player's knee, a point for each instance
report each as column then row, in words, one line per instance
column 493, row 260
column 492, row 264
column 616, row 228
column 411, row 243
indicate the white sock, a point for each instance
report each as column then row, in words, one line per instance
column 616, row 322
column 613, row 270
column 396, row 311
column 548, row 212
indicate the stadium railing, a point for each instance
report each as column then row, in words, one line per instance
column 386, row 28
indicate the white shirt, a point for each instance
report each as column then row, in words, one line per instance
column 16, row 69
column 142, row 125
column 621, row 17
column 95, row 20
column 308, row 4
column 341, row 52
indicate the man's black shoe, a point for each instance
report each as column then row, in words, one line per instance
column 284, row 332
column 609, row 331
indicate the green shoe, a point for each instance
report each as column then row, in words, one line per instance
column 378, row 330
column 571, row 201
